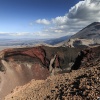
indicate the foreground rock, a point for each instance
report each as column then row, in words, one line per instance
column 87, row 58
column 19, row 66
column 82, row 84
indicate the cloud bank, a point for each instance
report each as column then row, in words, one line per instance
column 43, row 21
column 80, row 15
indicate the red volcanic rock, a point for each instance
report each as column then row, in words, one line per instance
column 37, row 52
column 39, row 72
column 21, row 65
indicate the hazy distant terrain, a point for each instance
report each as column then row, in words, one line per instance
column 57, row 40
column 17, row 43
column 21, row 42
column 89, row 35
column 13, row 43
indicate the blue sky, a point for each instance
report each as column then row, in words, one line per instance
column 45, row 18
column 16, row 15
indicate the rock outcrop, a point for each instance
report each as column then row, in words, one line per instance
column 87, row 57
column 79, row 42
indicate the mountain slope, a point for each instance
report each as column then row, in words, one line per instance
column 89, row 35
column 92, row 31
column 57, row 40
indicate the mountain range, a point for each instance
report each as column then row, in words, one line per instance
column 88, row 36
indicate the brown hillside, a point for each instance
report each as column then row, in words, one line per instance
column 82, row 84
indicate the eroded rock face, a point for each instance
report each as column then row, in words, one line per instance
column 39, row 72
column 87, row 58
column 65, row 55
column 19, row 66
column 35, row 52
column 79, row 42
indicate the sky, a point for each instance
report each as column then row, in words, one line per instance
column 46, row 18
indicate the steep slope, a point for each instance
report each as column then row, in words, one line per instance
column 18, row 66
column 83, row 84
column 92, row 31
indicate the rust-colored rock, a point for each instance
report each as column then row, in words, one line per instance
column 39, row 72
column 35, row 52
column 20, row 65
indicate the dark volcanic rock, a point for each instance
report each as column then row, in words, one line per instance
column 87, row 58
column 92, row 31
column 65, row 55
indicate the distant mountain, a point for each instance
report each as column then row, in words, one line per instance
column 92, row 31
column 57, row 40
column 89, row 35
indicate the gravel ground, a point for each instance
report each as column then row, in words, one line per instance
column 82, row 84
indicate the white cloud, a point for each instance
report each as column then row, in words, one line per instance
column 43, row 21
column 34, row 35
column 3, row 33
column 60, row 20
column 79, row 16
column 86, row 10
column 19, row 34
